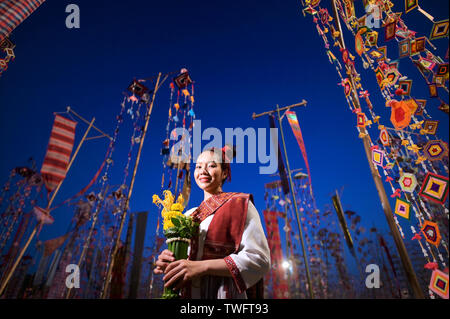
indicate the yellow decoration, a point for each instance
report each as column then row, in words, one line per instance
column 405, row 142
column 170, row 209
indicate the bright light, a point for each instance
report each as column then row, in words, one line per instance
column 286, row 264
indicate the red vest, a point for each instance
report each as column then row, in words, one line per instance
column 225, row 231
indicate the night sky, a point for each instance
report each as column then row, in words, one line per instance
column 244, row 56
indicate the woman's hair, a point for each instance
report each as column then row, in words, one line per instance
column 226, row 155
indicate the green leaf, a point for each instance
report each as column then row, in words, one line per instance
column 176, row 221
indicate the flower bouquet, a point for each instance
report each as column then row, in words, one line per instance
column 178, row 229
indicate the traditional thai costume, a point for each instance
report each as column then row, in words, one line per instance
column 230, row 228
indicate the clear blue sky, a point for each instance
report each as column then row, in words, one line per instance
column 245, row 57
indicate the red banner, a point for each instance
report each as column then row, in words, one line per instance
column 280, row 285
column 58, row 152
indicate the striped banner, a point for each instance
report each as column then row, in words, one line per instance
column 14, row 12
column 59, row 149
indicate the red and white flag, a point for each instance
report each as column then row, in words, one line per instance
column 14, row 12
column 58, row 153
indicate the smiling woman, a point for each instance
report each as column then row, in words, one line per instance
column 230, row 255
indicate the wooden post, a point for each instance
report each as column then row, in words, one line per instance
column 406, row 262
column 130, row 191
column 22, row 252
column 305, row 257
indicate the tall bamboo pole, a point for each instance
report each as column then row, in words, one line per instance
column 22, row 252
column 406, row 262
column 294, row 200
column 130, row 191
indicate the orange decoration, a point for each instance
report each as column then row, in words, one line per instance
column 401, row 112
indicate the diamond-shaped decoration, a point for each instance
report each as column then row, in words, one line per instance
column 440, row 30
column 439, row 283
column 402, row 208
column 434, row 188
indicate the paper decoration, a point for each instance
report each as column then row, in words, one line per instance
column 405, row 86
column 384, row 137
column 420, row 107
column 393, row 75
column 377, row 157
column 440, row 30
column 361, row 120
column 442, row 70
column 431, row 232
column 435, row 150
column 432, row 87
column 390, row 30
column 182, row 80
column 408, row 182
column 420, row 44
column 371, row 38
column 402, row 208
column 401, row 112
column 404, row 48
column 431, row 126
column 434, row 188
column 137, row 88
column 380, row 77
column 410, row 5
column 359, row 43
column 439, row 283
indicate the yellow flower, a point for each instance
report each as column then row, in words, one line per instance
column 167, row 223
column 170, row 209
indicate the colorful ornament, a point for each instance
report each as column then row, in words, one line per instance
column 404, row 48
column 431, row 232
column 377, row 157
column 410, row 5
column 384, row 137
column 434, row 188
column 435, row 150
column 431, row 126
column 408, row 182
column 440, row 30
column 439, row 283
column 402, row 208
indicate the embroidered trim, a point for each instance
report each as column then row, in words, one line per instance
column 236, row 274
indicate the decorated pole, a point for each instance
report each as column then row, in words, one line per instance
column 22, row 252
column 406, row 262
column 305, row 258
column 130, row 191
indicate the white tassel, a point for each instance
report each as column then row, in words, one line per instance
column 429, row 16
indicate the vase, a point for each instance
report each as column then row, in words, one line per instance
column 179, row 247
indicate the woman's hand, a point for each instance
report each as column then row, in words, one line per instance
column 179, row 272
column 164, row 259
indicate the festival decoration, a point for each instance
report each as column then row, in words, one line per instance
column 440, row 30
column 434, row 188
column 178, row 229
column 15, row 12
column 431, row 232
column 402, row 208
column 439, row 283
column 58, row 152
column 407, row 145
column 408, row 182
column 435, row 150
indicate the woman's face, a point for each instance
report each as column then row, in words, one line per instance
column 208, row 172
